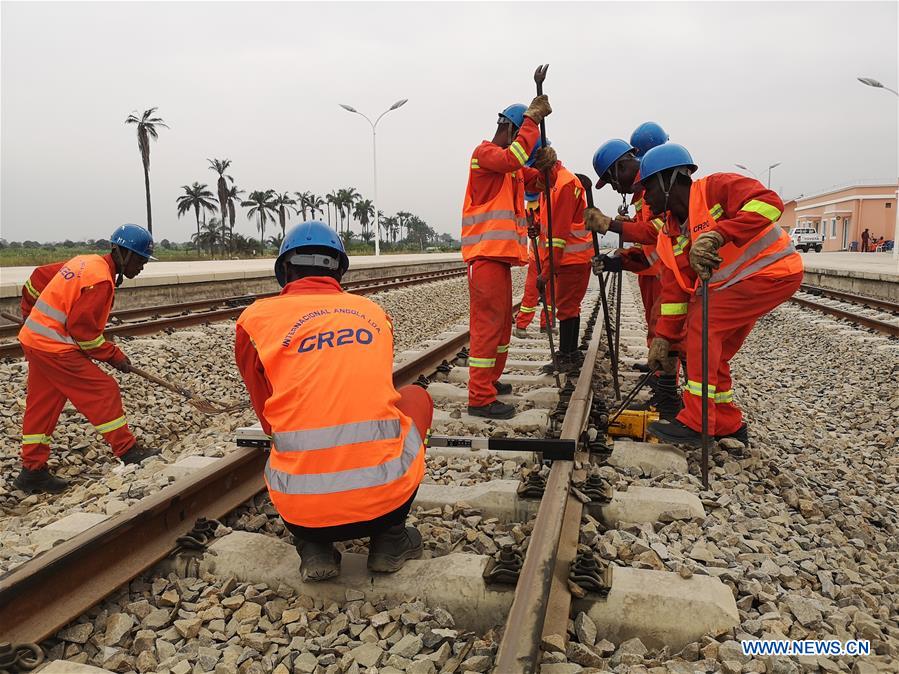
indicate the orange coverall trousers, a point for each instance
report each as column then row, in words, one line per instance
column 490, row 322
column 732, row 314
column 650, row 293
column 54, row 378
column 571, row 286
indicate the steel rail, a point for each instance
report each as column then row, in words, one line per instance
column 873, row 323
column 192, row 317
column 542, row 601
column 44, row 594
column 874, row 302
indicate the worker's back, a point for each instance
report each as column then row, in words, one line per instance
column 328, row 356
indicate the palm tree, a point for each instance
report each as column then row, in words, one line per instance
column 261, row 205
column 146, row 129
column 316, row 203
column 303, row 202
column 209, row 235
column 233, row 196
column 220, row 166
column 349, row 197
column 402, row 218
column 390, row 226
column 196, row 196
column 333, row 199
column 283, row 203
column 364, row 210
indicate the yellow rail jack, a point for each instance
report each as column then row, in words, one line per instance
column 632, row 424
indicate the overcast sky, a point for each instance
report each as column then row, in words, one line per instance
column 750, row 83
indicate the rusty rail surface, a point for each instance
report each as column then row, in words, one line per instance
column 542, row 601
column 874, row 302
column 198, row 312
column 873, row 323
column 44, row 594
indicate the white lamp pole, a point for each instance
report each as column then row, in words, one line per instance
column 746, row 168
column 871, row 82
column 374, row 157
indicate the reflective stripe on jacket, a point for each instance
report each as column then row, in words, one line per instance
column 342, row 451
column 496, row 229
column 644, row 213
column 770, row 252
column 569, row 202
column 45, row 327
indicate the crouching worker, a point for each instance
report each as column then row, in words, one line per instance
column 347, row 451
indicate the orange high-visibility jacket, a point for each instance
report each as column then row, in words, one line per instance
column 644, row 215
column 341, row 450
column 46, row 328
column 496, row 228
column 768, row 253
column 569, row 233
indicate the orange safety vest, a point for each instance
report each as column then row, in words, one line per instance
column 649, row 251
column 578, row 246
column 498, row 227
column 45, row 328
column 342, row 451
column 770, row 253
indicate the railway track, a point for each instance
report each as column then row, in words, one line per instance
column 149, row 320
column 46, row 593
column 876, row 314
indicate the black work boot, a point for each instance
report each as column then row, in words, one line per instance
column 675, row 432
column 740, row 435
column 40, row 481
column 665, row 399
column 568, row 330
column 495, row 410
column 389, row 550
column 501, row 388
column 137, row 454
column 318, row 561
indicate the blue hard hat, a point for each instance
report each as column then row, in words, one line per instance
column 663, row 157
column 537, row 146
column 647, row 136
column 608, row 153
column 135, row 238
column 531, row 196
column 311, row 233
column 515, row 114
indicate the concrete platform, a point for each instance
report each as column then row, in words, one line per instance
column 164, row 282
column 66, row 528
column 872, row 274
column 453, row 582
column 661, row 608
column 650, row 458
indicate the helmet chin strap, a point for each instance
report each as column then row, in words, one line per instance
column 667, row 190
column 120, row 265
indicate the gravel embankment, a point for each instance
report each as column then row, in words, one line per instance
column 804, row 528
column 201, row 359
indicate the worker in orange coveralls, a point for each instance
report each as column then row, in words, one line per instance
column 722, row 228
column 572, row 249
column 494, row 239
column 62, row 333
column 348, row 449
column 530, row 300
column 617, row 164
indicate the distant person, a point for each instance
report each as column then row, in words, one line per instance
column 866, row 238
column 65, row 316
column 878, row 244
column 348, row 449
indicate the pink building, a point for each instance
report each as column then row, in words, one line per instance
column 842, row 214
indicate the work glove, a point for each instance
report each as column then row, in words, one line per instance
column 704, row 254
column 545, row 159
column 533, row 230
column 539, row 109
column 601, row 263
column 596, row 221
column 122, row 365
column 658, row 358
column 541, row 283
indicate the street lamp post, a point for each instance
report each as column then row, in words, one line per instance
column 746, row 168
column 871, row 82
column 374, row 158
